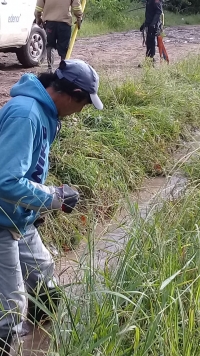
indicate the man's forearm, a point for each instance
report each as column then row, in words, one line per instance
column 77, row 9
column 38, row 15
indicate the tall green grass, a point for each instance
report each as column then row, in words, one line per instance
column 145, row 298
column 107, row 154
column 126, row 21
column 148, row 303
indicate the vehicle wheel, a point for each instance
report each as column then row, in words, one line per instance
column 34, row 52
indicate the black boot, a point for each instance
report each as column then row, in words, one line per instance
column 50, row 301
column 5, row 345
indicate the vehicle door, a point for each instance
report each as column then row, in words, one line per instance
column 14, row 22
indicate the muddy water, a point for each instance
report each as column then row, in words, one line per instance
column 149, row 197
column 108, row 241
column 111, row 238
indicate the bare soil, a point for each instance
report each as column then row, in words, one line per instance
column 115, row 55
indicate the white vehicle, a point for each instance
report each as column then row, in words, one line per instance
column 19, row 34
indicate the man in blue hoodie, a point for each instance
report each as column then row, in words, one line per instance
column 28, row 126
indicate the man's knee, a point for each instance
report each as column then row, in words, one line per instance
column 12, row 299
column 36, row 261
column 151, row 44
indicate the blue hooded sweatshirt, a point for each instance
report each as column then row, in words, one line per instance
column 28, row 126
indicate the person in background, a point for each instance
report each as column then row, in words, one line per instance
column 152, row 25
column 56, row 18
column 29, row 123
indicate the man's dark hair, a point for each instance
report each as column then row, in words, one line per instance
column 64, row 86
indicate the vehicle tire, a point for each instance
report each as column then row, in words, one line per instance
column 34, row 52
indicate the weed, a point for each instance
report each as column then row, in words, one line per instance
column 147, row 303
column 101, row 20
column 105, row 155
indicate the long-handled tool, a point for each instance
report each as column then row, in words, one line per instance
column 74, row 34
column 161, row 46
column 162, row 49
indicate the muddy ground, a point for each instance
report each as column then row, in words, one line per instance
column 115, row 55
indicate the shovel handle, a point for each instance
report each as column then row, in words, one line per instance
column 74, row 34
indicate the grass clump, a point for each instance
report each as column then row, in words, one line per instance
column 107, row 154
column 147, row 303
column 131, row 21
column 107, row 16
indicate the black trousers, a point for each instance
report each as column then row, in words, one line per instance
column 58, row 36
column 151, row 42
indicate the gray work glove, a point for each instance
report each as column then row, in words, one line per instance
column 69, row 196
column 64, row 197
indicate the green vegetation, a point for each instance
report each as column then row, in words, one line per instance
column 106, row 154
column 132, row 21
column 189, row 6
column 149, row 303
column 107, row 16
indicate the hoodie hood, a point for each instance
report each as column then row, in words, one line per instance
column 28, row 125
column 30, row 86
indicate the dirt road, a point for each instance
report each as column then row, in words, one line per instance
column 115, row 55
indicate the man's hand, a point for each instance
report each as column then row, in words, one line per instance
column 142, row 27
column 39, row 221
column 79, row 22
column 152, row 28
column 69, row 196
column 39, row 21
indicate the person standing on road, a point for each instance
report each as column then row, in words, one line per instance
column 152, row 25
column 28, row 126
column 56, row 18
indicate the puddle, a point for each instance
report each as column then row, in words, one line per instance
column 111, row 238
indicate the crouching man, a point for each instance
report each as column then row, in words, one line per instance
column 29, row 123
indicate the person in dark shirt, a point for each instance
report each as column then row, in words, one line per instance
column 152, row 25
